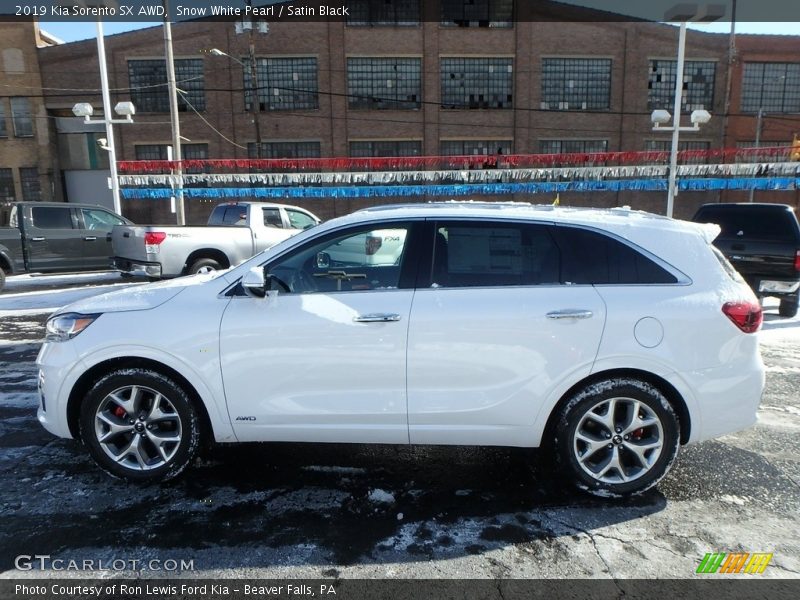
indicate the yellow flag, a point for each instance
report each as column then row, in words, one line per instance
column 557, row 201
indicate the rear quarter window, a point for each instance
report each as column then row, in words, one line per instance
column 590, row 257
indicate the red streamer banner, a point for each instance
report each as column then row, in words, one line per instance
column 491, row 161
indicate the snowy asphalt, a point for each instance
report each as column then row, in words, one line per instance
column 297, row 510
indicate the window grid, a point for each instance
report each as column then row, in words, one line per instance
column 475, row 147
column 698, row 85
column 3, row 130
column 7, row 193
column 159, row 152
column 31, row 186
column 572, row 146
column 758, row 157
column 393, row 13
column 384, row 83
column 477, row 83
column 285, row 150
column 666, row 146
column 366, row 149
column 576, row 83
column 148, row 81
column 284, row 84
column 772, row 87
column 477, row 13
column 21, row 116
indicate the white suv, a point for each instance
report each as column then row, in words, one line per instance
column 610, row 336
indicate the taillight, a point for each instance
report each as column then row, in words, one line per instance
column 154, row 238
column 797, row 261
column 372, row 244
column 747, row 316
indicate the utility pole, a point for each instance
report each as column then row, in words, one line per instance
column 256, row 100
column 676, row 115
column 758, row 140
column 112, row 153
column 173, row 113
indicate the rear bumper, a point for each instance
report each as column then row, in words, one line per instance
column 773, row 286
column 134, row 267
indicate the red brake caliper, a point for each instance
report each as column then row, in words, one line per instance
column 119, row 412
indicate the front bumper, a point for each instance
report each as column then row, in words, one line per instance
column 134, row 267
column 59, row 368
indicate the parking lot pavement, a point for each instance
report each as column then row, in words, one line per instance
column 297, row 510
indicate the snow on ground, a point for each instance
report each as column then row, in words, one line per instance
column 21, row 296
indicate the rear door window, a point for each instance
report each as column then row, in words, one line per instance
column 590, row 257
column 474, row 254
column 51, row 217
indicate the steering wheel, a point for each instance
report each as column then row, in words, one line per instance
column 294, row 281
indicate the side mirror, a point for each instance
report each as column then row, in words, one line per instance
column 323, row 260
column 254, row 283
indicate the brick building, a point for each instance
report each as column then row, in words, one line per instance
column 28, row 163
column 418, row 84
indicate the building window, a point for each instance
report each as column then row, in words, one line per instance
column 478, row 13
column 772, row 87
column 473, row 147
column 6, row 185
column 763, row 157
column 285, row 150
column 477, row 82
column 666, row 146
column 365, row 149
column 148, row 81
column 3, row 130
column 284, row 84
column 31, row 186
column 698, row 85
column 21, row 116
column 394, row 13
column 159, row 152
column 576, row 83
column 393, row 83
column 572, row 146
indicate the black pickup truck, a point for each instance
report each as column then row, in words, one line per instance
column 762, row 241
column 54, row 237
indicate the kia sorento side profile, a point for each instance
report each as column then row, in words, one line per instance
column 611, row 337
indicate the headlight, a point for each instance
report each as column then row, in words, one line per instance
column 67, row 326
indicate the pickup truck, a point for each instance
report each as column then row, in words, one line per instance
column 762, row 241
column 235, row 232
column 54, row 237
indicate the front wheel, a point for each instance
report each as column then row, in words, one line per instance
column 617, row 437
column 140, row 425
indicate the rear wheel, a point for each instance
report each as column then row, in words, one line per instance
column 140, row 425
column 204, row 265
column 788, row 306
column 2, row 278
column 617, row 437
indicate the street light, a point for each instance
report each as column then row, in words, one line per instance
column 683, row 13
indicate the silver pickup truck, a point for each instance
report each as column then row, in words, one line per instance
column 235, row 232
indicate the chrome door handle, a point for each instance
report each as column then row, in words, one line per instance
column 37, row 239
column 377, row 318
column 89, row 238
column 569, row 313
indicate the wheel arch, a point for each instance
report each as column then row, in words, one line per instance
column 665, row 387
column 95, row 373
column 212, row 253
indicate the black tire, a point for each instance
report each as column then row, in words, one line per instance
column 788, row 307
column 605, row 479
column 2, row 279
column 204, row 265
column 176, row 418
column 126, row 275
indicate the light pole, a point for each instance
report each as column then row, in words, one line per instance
column 759, row 124
column 254, row 78
column 682, row 13
column 174, row 117
column 123, row 109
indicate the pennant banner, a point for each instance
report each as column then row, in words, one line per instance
column 464, row 176
column 763, row 183
column 491, row 161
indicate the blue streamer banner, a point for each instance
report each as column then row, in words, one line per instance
column 542, row 187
